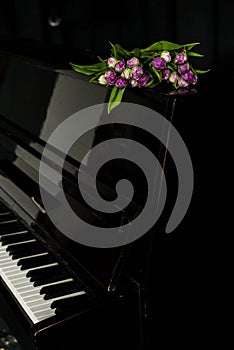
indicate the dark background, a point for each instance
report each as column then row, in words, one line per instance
column 90, row 25
column 189, row 273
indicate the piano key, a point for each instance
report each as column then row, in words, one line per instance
column 27, row 268
column 19, row 250
column 16, row 238
column 37, row 275
column 35, row 262
column 52, row 292
column 69, row 303
column 8, row 227
column 5, row 216
column 15, row 232
column 51, row 278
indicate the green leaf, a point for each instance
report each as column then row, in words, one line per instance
column 89, row 69
column 114, row 53
column 168, row 46
column 121, row 52
column 136, row 52
column 102, row 60
column 195, row 54
column 115, row 98
column 156, row 72
column 198, row 71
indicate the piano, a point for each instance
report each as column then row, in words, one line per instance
column 56, row 293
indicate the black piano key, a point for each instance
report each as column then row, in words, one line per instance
column 11, row 227
column 4, row 216
column 39, row 274
column 71, row 303
column 61, row 289
column 16, row 238
column 23, row 253
column 51, row 279
column 25, row 249
column 36, row 261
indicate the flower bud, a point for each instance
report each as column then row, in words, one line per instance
column 143, row 80
column 102, row 80
column 127, row 72
column 165, row 74
column 184, row 68
column 121, row 83
column 159, row 63
column 137, row 72
column 132, row 62
column 173, row 77
column 181, row 58
column 110, row 77
column 190, row 77
column 119, row 67
column 182, row 83
column 111, row 62
column 166, row 56
column 133, row 82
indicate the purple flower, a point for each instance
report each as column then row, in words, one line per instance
column 184, row 68
column 143, row 80
column 137, row 72
column 119, row 67
column 111, row 62
column 181, row 58
column 165, row 74
column 159, row 63
column 110, row 77
column 121, row 83
column 190, row 77
column 133, row 62
column 173, row 77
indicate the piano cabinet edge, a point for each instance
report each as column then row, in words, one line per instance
column 109, row 325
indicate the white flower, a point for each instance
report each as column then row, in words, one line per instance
column 111, row 62
column 127, row 72
column 173, row 77
column 134, row 83
column 166, row 56
column 102, row 80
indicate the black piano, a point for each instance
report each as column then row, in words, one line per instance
column 56, row 293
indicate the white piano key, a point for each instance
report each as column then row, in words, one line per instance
column 44, row 314
column 19, row 243
column 8, row 221
column 14, row 233
column 28, row 296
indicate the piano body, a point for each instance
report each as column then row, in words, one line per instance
column 56, row 293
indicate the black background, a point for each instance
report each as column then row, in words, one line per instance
column 188, row 277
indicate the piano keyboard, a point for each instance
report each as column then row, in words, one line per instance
column 37, row 280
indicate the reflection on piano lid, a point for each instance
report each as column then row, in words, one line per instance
column 51, row 277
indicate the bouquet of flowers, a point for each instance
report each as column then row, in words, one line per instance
column 161, row 63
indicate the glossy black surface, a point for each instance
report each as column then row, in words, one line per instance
column 34, row 99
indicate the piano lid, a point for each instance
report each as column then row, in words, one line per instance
column 34, row 100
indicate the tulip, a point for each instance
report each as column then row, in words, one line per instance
column 159, row 63
column 119, row 67
column 132, row 62
column 111, row 62
column 110, row 77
